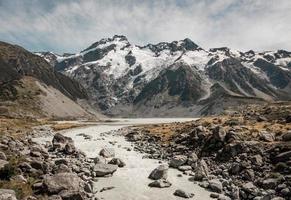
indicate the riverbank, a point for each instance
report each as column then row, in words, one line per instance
column 243, row 155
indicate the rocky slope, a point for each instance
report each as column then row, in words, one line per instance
column 29, row 86
column 178, row 77
column 243, row 155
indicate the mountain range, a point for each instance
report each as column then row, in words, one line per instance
column 178, row 78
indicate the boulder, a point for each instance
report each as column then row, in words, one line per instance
column 215, row 185
column 287, row 136
column 183, row 194
column 161, row 183
column 177, row 161
column 266, row 136
column 2, row 156
column 117, row 161
column 63, row 181
column 7, row 194
column 270, row 183
column 107, row 152
column 104, row 169
column 201, row 171
column 3, row 163
column 159, row 173
column 219, row 133
column 192, row 159
column 59, row 141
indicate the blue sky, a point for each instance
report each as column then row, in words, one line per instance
column 72, row 25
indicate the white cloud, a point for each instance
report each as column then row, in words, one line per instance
column 74, row 25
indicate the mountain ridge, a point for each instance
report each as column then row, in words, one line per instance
column 118, row 74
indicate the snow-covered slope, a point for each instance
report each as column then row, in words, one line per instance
column 124, row 78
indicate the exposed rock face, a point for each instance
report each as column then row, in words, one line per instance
column 177, row 77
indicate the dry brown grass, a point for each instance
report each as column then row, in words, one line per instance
column 64, row 126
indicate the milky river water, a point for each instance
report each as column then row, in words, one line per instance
column 130, row 182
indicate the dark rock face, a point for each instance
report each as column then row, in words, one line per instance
column 16, row 62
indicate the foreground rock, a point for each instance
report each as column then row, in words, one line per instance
column 117, row 161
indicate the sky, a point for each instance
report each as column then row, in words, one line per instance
column 72, row 25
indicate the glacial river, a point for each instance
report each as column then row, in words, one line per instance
column 130, row 182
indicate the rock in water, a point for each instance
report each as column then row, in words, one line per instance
column 7, row 194
column 183, row 194
column 177, row 161
column 107, row 152
column 104, row 169
column 161, row 183
column 159, row 173
column 62, row 181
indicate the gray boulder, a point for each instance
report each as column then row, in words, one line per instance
column 266, row 136
column 2, row 156
column 7, row 194
column 215, row 185
column 59, row 142
column 287, row 136
column 107, row 152
column 104, row 169
column 183, row 194
column 201, row 171
column 178, row 160
column 3, row 163
column 62, row 181
column 159, row 173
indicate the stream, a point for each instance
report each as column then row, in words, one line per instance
column 130, row 182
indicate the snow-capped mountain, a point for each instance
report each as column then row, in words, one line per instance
column 178, row 78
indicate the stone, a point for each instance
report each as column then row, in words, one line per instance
column 266, row 136
column 6, row 194
column 219, row 133
column 59, row 141
column 283, row 157
column 161, row 183
column 159, row 173
column 287, row 136
column 270, row 183
column 215, row 185
column 201, row 171
column 3, row 163
column 62, row 181
column 183, row 194
column 107, row 152
column 177, row 161
column 184, row 168
column 192, row 159
column 257, row 160
column 214, row 195
column 117, row 161
column 2, row 156
column 107, row 188
column 71, row 195
column 19, row 178
column 104, row 169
